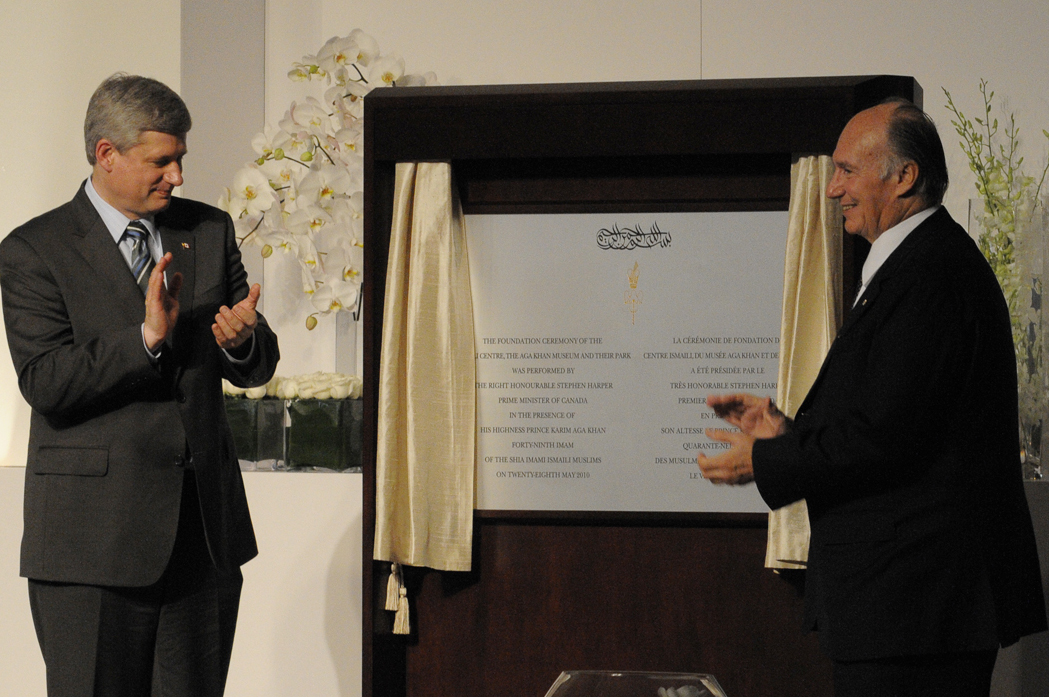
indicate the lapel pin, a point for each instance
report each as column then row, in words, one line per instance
column 185, row 245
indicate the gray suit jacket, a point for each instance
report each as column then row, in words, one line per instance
column 110, row 430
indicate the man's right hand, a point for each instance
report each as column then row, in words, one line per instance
column 755, row 416
column 161, row 305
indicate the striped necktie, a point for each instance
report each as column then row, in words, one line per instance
column 141, row 260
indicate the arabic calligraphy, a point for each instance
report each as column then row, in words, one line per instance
column 632, row 238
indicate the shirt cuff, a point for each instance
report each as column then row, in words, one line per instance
column 247, row 357
column 153, row 356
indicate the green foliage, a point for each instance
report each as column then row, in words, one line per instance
column 1013, row 233
column 1009, row 196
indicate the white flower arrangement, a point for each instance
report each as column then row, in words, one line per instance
column 312, row 386
column 303, row 195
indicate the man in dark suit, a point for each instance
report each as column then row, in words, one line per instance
column 922, row 559
column 136, row 522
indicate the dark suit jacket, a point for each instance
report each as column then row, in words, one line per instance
column 110, row 430
column 906, row 449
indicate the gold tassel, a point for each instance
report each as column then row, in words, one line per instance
column 393, row 587
column 401, row 624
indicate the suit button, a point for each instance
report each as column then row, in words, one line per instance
column 180, row 461
column 180, row 396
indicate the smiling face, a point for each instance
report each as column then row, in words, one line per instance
column 872, row 198
column 139, row 181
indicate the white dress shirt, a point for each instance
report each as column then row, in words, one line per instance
column 887, row 243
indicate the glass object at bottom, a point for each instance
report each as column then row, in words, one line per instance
column 610, row 683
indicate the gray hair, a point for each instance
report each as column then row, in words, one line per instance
column 912, row 137
column 125, row 105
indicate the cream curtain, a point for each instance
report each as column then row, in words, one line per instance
column 425, row 458
column 811, row 316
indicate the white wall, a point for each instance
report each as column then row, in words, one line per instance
column 53, row 56
column 942, row 43
column 299, row 630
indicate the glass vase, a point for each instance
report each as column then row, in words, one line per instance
column 325, row 434
column 1021, row 273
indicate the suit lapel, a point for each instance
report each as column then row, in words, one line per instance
column 92, row 239
column 182, row 245
column 868, row 300
column 918, row 238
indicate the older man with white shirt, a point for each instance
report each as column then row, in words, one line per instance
column 922, row 560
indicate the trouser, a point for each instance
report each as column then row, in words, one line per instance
column 170, row 639
column 964, row 674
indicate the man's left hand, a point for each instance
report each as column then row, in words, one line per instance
column 732, row 466
column 234, row 326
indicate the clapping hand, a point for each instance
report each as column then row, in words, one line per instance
column 234, row 326
column 161, row 305
column 755, row 417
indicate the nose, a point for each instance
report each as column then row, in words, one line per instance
column 834, row 187
column 173, row 174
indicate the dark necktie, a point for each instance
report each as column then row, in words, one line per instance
column 141, row 260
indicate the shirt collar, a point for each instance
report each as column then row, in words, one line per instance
column 115, row 221
column 889, row 240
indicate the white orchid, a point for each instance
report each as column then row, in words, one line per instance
column 309, row 117
column 245, row 227
column 325, row 184
column 386, row 71
column 349, row 213
column 337, row 53
column 349, row 143
column 311, row 165
column 335, row 295
column 271, row 239
column 264, row 144
column 302, row 72
column 344, row 259
column 250, row 195
column 424, row 80
column 367, row 47
column 283, row 174
column 348, row 100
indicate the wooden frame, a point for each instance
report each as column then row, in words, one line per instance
column 679, row 592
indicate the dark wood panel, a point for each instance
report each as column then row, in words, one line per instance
column 618, row 591
column 625, row 119
column 625, row 184
column 609, row 597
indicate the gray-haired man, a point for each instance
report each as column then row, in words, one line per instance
column 124, row 309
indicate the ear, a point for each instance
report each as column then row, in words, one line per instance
column 105, row 154
column 906, row 179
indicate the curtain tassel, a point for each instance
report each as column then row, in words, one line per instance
column 397, row 600
column 393, row 587
column 401, row 624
